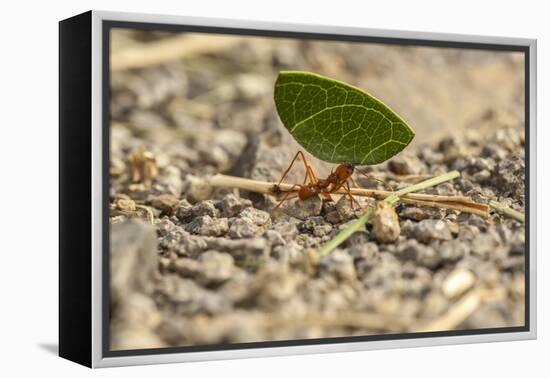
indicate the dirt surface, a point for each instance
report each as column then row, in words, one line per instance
column 192, row 264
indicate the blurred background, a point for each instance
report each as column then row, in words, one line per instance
column 433, row 88
column 218, row 82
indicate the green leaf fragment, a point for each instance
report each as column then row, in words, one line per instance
column 337, row 122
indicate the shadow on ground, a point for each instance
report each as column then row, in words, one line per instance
column 50, row 348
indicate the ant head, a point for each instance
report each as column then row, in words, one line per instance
column 349, row 168
column 343, row 171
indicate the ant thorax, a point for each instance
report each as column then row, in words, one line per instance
column 324, row 183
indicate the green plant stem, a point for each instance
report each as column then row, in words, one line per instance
column 508, row 211
column 392, row 199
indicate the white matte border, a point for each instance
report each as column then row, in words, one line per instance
column 97, row 181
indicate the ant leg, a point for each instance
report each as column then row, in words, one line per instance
column 312, row 177
column 326, row 195
column 308, row 170
column 306, row 167
column 289, row 167
column 351, row 197
column 285, row 198
column 348, row 192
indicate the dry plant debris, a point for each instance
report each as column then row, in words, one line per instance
column 142, row 166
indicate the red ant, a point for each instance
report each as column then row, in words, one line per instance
column 337, row 179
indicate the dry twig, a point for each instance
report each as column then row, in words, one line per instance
column 459, row 203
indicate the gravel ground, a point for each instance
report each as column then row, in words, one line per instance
column 192, row 264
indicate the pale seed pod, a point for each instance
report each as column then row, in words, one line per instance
column 385, row 223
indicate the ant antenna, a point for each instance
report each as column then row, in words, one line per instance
column 370, row 177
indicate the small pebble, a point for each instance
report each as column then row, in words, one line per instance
column 243, row 228
column 422, row 254
column 206, row 207
column 413, row 213
column 304, row 209
column 429, row 229
column 256, row 216
column 231, row 205
column 275, row 238
column 340, row 264
column 167, row 203
column 452, row 250
column 457, row 282
column 409, row 165
column 208, row 226
column 215, row 267
column 196, row 188
column 184, row 211
column 345, row 209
